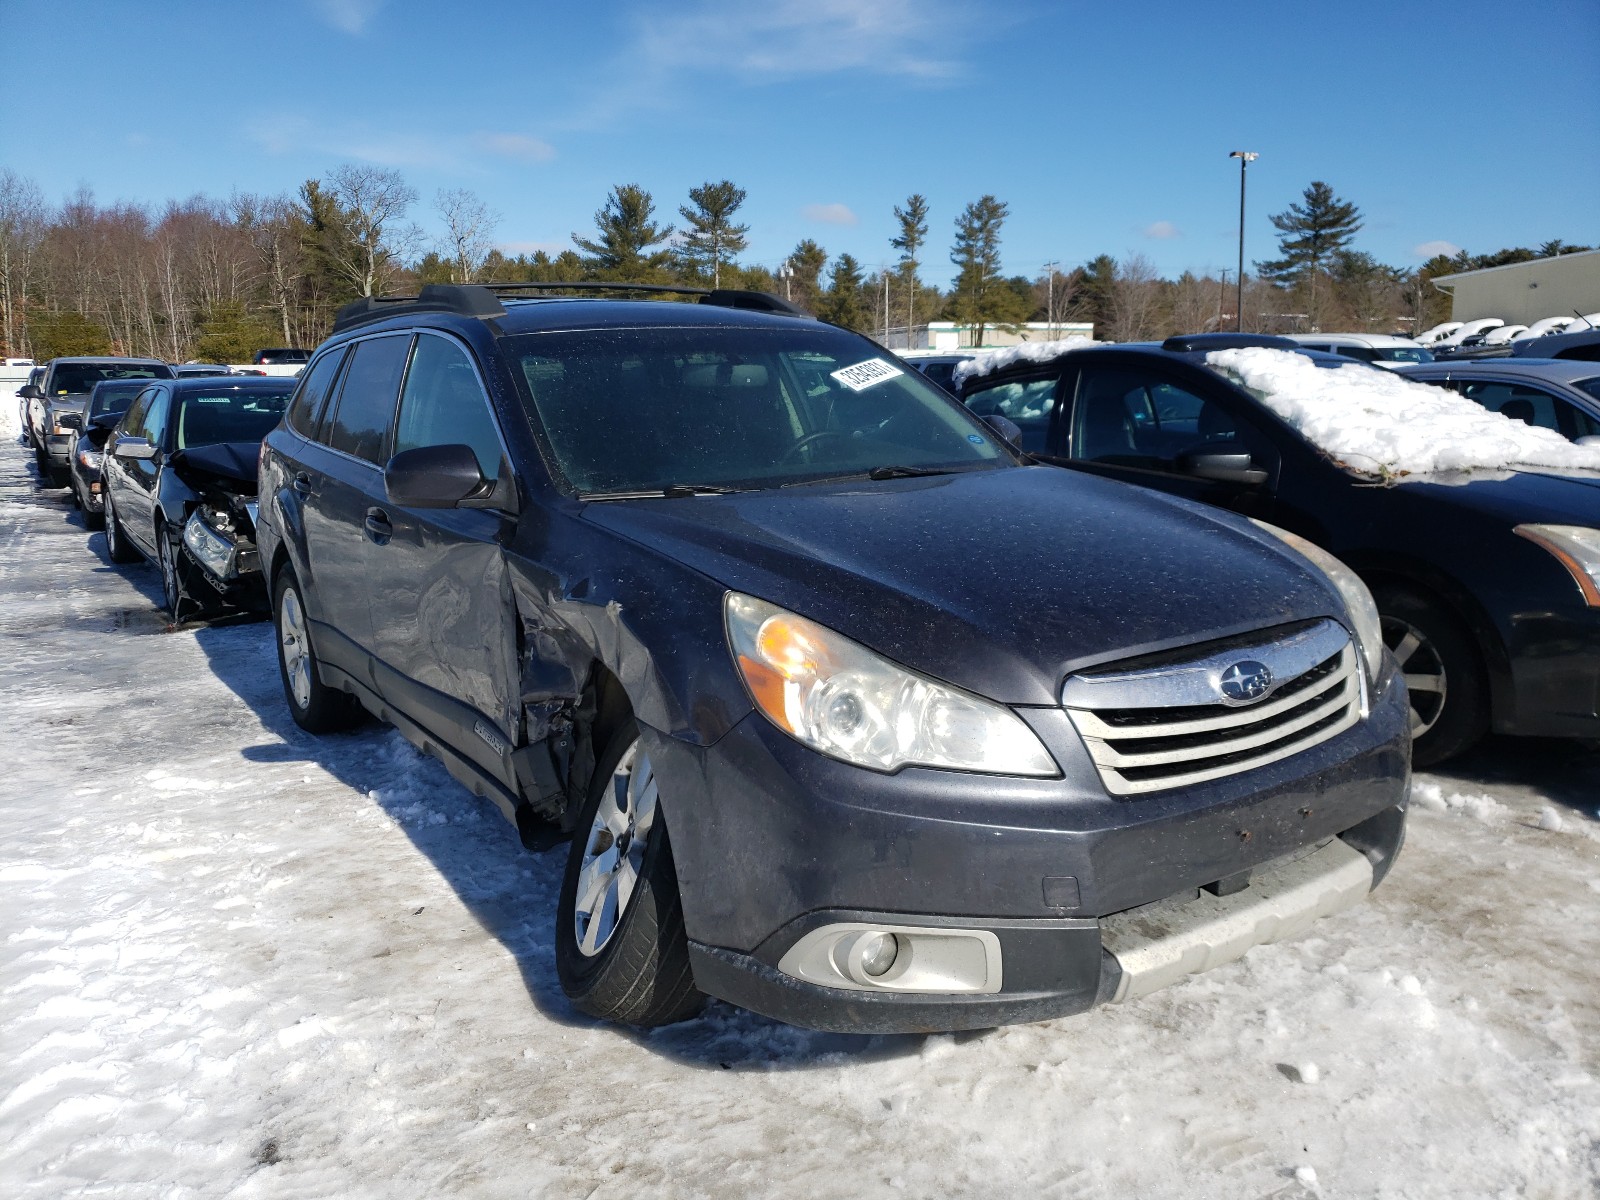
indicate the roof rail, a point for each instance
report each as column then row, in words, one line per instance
column 463, row 299
column 721, row 297
column 1227, row 341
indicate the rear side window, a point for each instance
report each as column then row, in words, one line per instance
column 367, row 399
column 1130, row 418
column 1028, row 404
column 305, row 411
column 1531, row 406
column 443, row 405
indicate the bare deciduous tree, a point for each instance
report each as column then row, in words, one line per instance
column 374, row 203
column 23, row 223
column 1135, row 299
column 469, row 232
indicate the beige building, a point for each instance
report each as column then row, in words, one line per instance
column 1522, row 293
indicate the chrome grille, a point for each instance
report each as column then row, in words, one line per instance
column 1170, row 725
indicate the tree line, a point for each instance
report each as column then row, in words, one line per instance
column 213, row 279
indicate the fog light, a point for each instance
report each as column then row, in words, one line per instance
column 896, row 958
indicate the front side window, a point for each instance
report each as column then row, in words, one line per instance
column 1131, row 418
column 444, row 405
column 133, row 423
column 367, row 399
column 228, row 415
column 646, row 409
column 155, row 419
column 1027, row 403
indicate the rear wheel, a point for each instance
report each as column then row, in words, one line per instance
column 621, row 950
column 316, row 707
column 1448, row 688
column 117, row 545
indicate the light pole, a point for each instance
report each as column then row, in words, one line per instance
column 786, row 273
column 1245, row 157
column 1050, row 306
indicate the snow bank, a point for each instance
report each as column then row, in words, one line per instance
column 1377, row 423
column 993, row 360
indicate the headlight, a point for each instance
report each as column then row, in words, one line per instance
column 207, row 545
column 1577, row 547
column 90, row 459
column 843, row 700
column 1357, row 599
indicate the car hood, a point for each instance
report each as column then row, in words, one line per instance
column 1002, row 581
column 1525, row 497
column 225, row 466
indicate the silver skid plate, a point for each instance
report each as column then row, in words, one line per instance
column 1158, row 944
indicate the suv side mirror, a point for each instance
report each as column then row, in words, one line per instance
column 433, row 476
column 133, row 447
column 1006, row 428
column 1226, row 462
column 30, row 391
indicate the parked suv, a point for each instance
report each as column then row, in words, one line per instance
column 1487, row 600
column 55, row 400
column 856, row 719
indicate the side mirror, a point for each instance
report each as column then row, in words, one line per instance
column 1006, row 428
column 433, row 476
column 30, row 391
column 133, row 447
column 1225, row 462
column 69, row 420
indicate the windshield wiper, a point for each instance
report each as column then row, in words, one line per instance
column 672, row 491
column 899, row 472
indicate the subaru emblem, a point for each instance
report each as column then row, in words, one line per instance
column 1246, row 681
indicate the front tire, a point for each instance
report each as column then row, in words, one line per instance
column 171, row 589
column 1449, row 689
column 621, row 951
column 118, row 547
column 315, row 707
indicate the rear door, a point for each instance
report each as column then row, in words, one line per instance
column 1146, row 425
column 443, row 619
column 342, row 480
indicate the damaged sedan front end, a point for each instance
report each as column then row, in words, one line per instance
column 218, row 563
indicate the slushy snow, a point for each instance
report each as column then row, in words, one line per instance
column 1377, row 423
column 987, row 361
column 237, row 960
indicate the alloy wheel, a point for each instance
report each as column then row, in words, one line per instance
column 169, row 572
column 1423, row 669
column 613, row 859
column 296, row 650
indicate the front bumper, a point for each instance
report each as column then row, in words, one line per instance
column 780, row 842
column 230, row 568
column 1555, row 674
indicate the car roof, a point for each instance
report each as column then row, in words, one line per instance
column 1356, row 339
column 107, row 358
column 1561, row 370
column 235, row 383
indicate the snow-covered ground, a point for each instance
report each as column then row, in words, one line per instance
column 236, row 960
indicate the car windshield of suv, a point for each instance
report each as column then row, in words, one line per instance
column 72, row 378
column 206, row 418
column 113, row 398
column 1402, row 354
column 643, row 410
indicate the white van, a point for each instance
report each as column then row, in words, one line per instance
column 1379, row 349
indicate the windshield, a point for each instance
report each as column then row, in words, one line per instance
column 72, row 378
column 1403, row 354
column 204, row 419
column 1592, row 386
column 646, row 409
column 113, row 398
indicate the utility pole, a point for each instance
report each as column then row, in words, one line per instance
column 1050, row 304
column 886, row 308
column 1245, row 157
column 786, row 273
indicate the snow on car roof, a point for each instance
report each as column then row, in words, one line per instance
column 1377, row 423
column 994, row 360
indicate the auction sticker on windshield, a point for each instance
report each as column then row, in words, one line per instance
column 865, row 374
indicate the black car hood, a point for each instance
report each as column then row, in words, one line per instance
column 1525, row 497
column 227, row 466
column 998, row 581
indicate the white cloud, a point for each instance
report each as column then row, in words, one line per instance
column 521, row 147
column 1162, row 229
column 783, row 39
column 287, row 133
column 830, row 214
column 1432, row 249
column 348, row 16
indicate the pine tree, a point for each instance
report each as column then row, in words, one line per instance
column 981, row 296
column 843, row 304
column 1309, row 235
column 621, row 250
column 710, row 236
column 913, row 220
column 806, row 260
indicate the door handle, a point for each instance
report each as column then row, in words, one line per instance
column 301, row 483
column 377, row 525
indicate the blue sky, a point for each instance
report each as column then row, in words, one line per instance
column 1105, row 127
